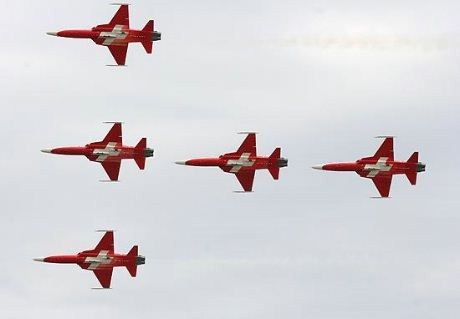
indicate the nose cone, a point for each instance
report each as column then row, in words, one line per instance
column 181, row 162
column 52, row 33
column 47, row 151
column 320, row 167
column 39, row 259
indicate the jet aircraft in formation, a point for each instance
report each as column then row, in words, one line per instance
column 116, row 35
column 109, row 152
column 381, row 167
column 101, row 260
column 244, row 162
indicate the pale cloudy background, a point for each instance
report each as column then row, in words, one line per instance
column 318, row 78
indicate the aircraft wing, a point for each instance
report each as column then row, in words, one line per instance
column 113, row 136
column 119, row 53
column 246, row 179
column 106, row 243
column 383, row 184
column 248, row 145
column 104, row 276
column 386, row 149
column 112, row 168
column 121, row 17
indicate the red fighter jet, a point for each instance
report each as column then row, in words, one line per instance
column 116, row 35
column 101, row 260
column 381, row 167
column 109, row 152
column 244, row 162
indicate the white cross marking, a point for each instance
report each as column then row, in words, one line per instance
column 243, row 161
column 116, row 34
column 380, row 166
column 100, row 259
column 103, row 153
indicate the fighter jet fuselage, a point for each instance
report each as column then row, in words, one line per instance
column 105, row 152
column 244, row 162
column 101, row 260
column 85, row 259
column 238, row 162
column 109, row 152
column 381, row 167
column 116, row 35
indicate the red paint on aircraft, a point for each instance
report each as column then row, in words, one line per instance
column 109, row 152
column 116, row 35
column 244, row 162
column 101, row 260
column 381, row 167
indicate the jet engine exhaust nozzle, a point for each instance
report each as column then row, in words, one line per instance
column 156, row 36
column 148, row 152
column 140, row 260
column 282, row 162
column 420, row 167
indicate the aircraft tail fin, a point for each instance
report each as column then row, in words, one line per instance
column 140, row 158
column 132, row 269
column 412, row 173
column 274, row 168
column 147, row 42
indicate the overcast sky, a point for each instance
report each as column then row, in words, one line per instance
column 319, row 79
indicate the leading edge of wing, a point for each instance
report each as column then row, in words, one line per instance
column 246, row 179
column 104, row 276
column 383, row 184
column 119, row 53
column 112, row 168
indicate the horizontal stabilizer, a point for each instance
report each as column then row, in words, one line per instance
column 133, row 252
column 276, row 154
column 140, row 147
column 412, row 177
column 414, row 158
column 148, row 26
column 147, row 42
column 140, row 161
column 275, row 171
column 412, row 174
column 132, row 269
column 142, row 144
